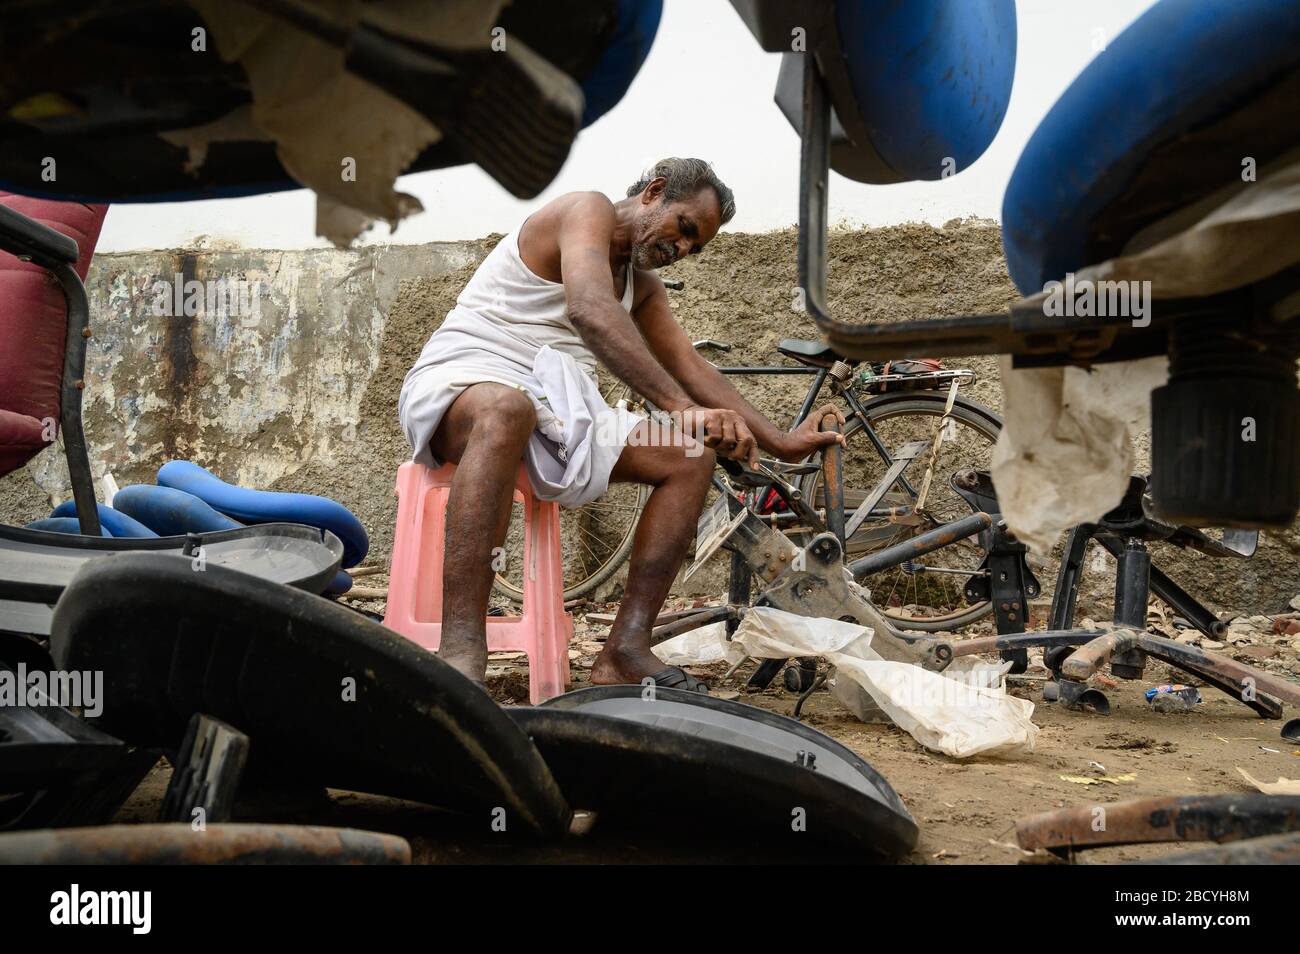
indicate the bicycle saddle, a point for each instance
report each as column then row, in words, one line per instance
column 808, row 352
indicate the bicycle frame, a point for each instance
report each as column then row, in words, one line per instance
column 810, row 399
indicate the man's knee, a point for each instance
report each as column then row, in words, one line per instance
column 503, row 417
column 697, row 461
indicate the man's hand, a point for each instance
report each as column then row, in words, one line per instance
column 723, row 430
column 807, row 438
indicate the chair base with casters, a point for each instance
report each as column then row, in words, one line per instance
column 414, row 610
column 1074, row 655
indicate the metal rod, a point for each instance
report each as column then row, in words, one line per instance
column 74, row 371
column 833, row 481
column 876, row 442
column 703, row 618
column 1087, row 659
column 919, row 545
column 1200, row 660
column 810, row 398
column 906, row 454
column 769, row 369
column 1068, row 577
column 1045, row 638
column 1216, row 818
column 814, row 169
column 1178, row 599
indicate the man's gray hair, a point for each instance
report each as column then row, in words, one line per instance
column 685, row 178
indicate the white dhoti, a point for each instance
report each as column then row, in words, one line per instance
column 510, row 327
column 578, row 438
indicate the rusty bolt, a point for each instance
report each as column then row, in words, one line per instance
column 80, row 384
column 86, row 332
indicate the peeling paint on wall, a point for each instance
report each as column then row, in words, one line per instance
column 250, row 393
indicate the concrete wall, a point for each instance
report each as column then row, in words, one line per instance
column 250, row 392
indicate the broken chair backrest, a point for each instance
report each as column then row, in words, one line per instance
column 34, row 320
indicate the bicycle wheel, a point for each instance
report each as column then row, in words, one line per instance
column 595, row 539
column 929, row 593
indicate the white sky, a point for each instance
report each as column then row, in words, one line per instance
column 705, row 90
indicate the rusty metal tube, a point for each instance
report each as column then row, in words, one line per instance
column 920, row 545
column 1091, row 656
column 1199, row 660
column 1217, row 818
column 833, row 480
column 180, row 844
column 703, row 617
column 1013, row 641
column 1269, row 850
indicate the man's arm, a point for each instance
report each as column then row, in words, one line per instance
column 584, row 235
column 707, row 386
column 608, row 330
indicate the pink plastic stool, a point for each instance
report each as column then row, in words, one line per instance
column 415, row 584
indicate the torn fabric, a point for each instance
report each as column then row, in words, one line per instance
column 338, row 135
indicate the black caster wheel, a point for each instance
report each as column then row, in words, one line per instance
column 800, row 679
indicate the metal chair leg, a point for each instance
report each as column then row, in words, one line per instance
column 74, row 371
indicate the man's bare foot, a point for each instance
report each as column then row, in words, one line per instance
column 467, row 657
column 616, row 665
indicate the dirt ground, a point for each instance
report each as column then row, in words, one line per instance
column 966, row 809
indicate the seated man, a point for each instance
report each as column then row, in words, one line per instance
column 510, row 374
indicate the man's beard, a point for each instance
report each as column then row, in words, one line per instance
column 652, row 255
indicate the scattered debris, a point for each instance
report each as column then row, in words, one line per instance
column 1173, row 698
column 1097, row 780
column 1283, row 786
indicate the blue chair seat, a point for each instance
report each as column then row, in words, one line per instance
column 1161, row 119
column 918, row 89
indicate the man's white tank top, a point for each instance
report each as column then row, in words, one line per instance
column 509, row 312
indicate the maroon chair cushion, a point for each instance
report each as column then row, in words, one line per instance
column 20, row 437
column 33, row 325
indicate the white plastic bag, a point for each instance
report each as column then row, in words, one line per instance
column 948, row 714
column 698, row 647
column 961, row 712
column 768, row 633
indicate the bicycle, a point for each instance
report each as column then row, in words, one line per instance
column 889, row 410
